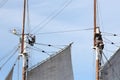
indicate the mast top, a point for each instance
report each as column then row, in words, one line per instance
column 95, row 20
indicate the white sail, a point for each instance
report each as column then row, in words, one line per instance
column 58, row 67
column 111, row 70
column 9, row 76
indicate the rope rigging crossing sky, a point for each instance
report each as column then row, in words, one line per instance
column 51, row 17
column 2, row 3
column 8, row 59
column 8, row 54
column 49, row 45
column 66, row 31
column 40, row 50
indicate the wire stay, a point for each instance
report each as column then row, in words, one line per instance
column 51, row 16
column 8, row 54
column 8, row 59
column 2, row 3
column 66, row 31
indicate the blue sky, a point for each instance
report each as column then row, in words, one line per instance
column 77, row 15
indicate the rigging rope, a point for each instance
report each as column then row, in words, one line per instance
column 7, row 54
column 40, row 50
column 17, row 59
column 2, row 3
column 113, row 71
column 67, row 31
column 51, row 16
column 111, row 42
column 8, row 59
column 109, row 50
column 110, row 34
column 18, row 67
column 97, row 11
column 49, row 45
column 14, row 63
column 99, row 17
column 106, row 59
column 28, row 18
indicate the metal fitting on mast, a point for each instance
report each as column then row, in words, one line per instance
column 98, row 39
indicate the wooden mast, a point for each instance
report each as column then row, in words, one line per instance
column 23, row 27
column 95, row 22
column 97, row 54
column 98, row 43
column 23, row 53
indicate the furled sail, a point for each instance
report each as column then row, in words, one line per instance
column 57, row 67
column 9, row 76
column 111, row 70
